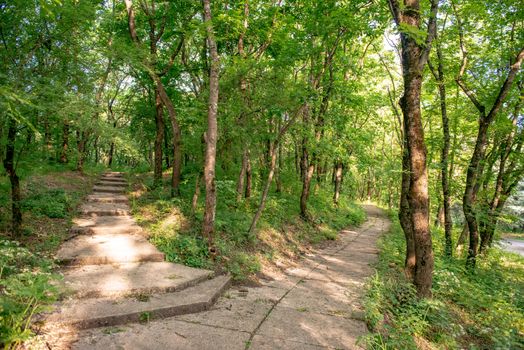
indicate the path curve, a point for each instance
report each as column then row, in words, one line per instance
column 313, row 305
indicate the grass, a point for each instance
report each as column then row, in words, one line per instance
column 513, row 235
column 281, row 234
column 50, row 195
column 480, row 310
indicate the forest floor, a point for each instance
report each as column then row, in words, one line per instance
column 313, row 305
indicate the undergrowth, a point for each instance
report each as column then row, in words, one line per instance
column 26, row 288
column 50, row 195
column 479, row 310
column 175, row 230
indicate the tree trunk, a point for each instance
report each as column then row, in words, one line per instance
column 65, row 143
column 164, row 97
column 177, row 156
column 413, row 59
column 211, row 135
column 159, row 137
column 242, row 176
column 10, row 167
column 166, row 148
column 265, row 192
column 308, row 169
column 279, row 170
column 47, row 139
column 81, row 146
column 444, row 155
column 418, row 189
column 338, row 181
column 404, row 216
column 111, row 152
column 462, row 239
column 196, row 194
column 470, row 192
column 249, row 177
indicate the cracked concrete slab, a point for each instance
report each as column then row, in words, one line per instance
column 166, row 334
column 312, row 328
column 241, row 315
column 261, row 342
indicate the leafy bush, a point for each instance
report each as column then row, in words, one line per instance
column 54, row 203
column 476, row 310
column 175, row 228
column 26, row 288
column 188, row 250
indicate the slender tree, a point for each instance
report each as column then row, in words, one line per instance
column 415, row 52
column 208, row 226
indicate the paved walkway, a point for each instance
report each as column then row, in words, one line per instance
column 314, row 305
column 513, row 245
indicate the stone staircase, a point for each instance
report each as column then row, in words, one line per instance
column 114, row 275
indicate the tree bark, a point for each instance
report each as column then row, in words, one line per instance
column 65, row 143
column 339, row 167
column 211, row 135
column 242, row 176
column 159, row 137
column 462, row 239
column 111, row 152
column 413, row 59
column 306, row 185
column 81, row 147
column 444, row 155
column 265, row 192
column 196, row 194
column 10, row 167
column 249, row 177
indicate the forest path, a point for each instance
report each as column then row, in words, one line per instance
column 513, row 245
column 314, row 305
column 112, row 275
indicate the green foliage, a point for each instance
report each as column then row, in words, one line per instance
column 175, row 230
column 184, row 249
column 415, row 33
column 480, row 310
column 26, row 288
column 54, row 203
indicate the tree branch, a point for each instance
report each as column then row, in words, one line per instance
column 506, row 87
column 431, row 33
column 172, row 58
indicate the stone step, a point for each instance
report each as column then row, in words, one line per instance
column 110, row 223
column 119, row 280
column 104, row 209
column 113, row 178
column 107, row 248
column 104, row 312
column 108, row 189
column 92, row 230
column 113, row 174
column 111, row 183
column 107, row 198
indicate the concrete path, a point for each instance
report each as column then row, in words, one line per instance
column 114, row 276
column 314, row 305
column 513, row 245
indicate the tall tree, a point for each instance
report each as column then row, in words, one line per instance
column 415, row 52
column 485, row 119
column 438, row 73
column 211, row 135
column 159, row 86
